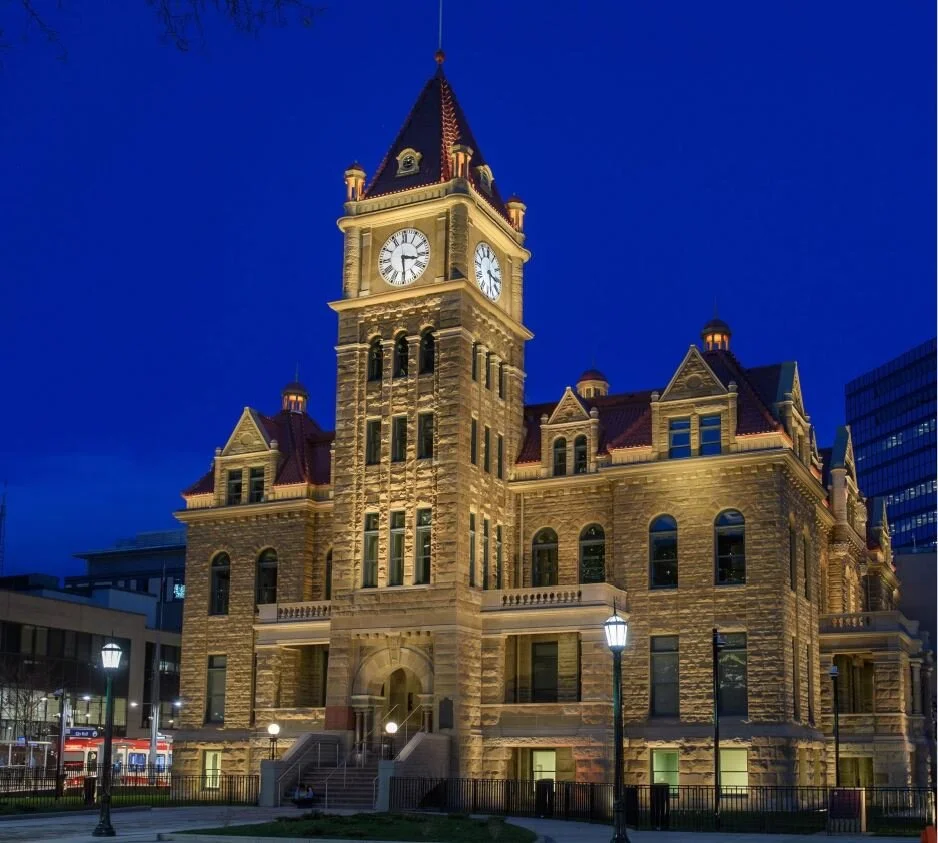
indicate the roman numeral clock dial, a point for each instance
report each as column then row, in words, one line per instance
column 488, row 271
column 404, row 257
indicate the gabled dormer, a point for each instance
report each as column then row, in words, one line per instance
column 569, row 437
column 845, row 500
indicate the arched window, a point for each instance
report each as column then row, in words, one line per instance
column 544, row 558
column 580, row 459
column 221, row 584
column 730, row 547
column 662, row 552
column 427, row 352
column 267, row 577
column 806, row 564
column 376, row 360
column 560, row 457
column 401, row 351
column 593, row 554
column 327, row 585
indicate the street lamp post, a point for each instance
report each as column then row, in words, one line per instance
column 834, row 673
column 718, row 644
column 272, row 731
column 617, row 630
column 111, row 661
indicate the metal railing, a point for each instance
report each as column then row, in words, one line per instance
column 797, row 810
column 304, row 759
column 28, row 790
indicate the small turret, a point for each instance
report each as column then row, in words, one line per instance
column 516, row 209
column 354, row 182
column 294, row 397
column 592, row 384
column 716, row 335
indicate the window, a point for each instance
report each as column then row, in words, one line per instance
column 796, row 681
column 543, row 764
column 474, row 444
column 593, row 554
column 730, row 540
column 396, row 551
column 498, row 557
column 560, row 457
column 500, row 456
column 373, row 442
column 580, row 459
column 256, row 485
column 678, row 438
column 422, row 561
column 215, row 689
column 475, row 361
column 665, row 687
column 399, row 439
column 376, row 360
column 401, row 352
column 734, row 769
column 485, row 554
column 710, row 442
column 267, row 577
column 805, row 564
column 544, row 558
column 501, row 380
column 486, row 449
column 664, row 767
column 370, row 562
column 472, row 549
column 425, row 436
column 327, row 586
column 234, row 487
column 734, row 691
column 488, row 369
column 810, row 669
column 427, row 352
column 211, row 769
column 792, row 558
column 544, row 671
column 221, row 584
column 662, row 547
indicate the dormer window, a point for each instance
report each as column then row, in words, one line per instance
column 408, row 162
column 484, row 177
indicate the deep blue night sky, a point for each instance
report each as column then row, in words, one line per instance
column 167, row 222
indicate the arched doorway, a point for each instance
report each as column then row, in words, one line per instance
column 401, row 693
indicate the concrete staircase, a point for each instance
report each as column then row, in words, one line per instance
column 345, row 786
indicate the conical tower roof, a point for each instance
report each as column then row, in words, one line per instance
column 434, row 124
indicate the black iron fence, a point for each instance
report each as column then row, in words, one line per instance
column 23, row 789
column 794, row 810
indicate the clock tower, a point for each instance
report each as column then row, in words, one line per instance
column 429, row 420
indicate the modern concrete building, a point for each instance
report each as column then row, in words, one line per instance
column 447, row 556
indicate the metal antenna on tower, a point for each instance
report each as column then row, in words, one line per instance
column 439, row 45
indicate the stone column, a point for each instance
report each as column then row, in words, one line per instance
column 916, row 687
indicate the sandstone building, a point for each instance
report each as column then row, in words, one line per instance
column 446, row 557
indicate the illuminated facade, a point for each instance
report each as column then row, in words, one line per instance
column 446, row 557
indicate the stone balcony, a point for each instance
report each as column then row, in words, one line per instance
column 293, row 623
column 554, row 608
column 865, row 623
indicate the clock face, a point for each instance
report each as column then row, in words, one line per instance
column 404, row 257
column 488, row 271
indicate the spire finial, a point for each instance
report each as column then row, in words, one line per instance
column 297, row 375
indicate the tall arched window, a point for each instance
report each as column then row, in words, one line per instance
column 376, row 360
column 221, row 584
column 662, row 552
column 560, row 457
column 730, row 547
column 544, row 558
column 593, row 554
column 580, row 458
column 401, row 351
column 327, row 585
column 806, row 564
column 267, row 577
column 427, row 352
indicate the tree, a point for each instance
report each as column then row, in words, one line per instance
column 182, row 22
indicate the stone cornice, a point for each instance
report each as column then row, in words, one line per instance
column 289, row 506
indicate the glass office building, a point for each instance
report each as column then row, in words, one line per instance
column 891, row 412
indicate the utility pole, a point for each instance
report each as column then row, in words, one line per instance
column 155, row 682
column 60, row 760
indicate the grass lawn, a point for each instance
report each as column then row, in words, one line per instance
column 422, row 828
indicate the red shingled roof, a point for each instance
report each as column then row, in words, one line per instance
column 433, row 125
column 625, row 419
column 303, row 445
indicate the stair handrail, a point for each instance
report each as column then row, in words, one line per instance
column 406, row 728
column 359, row 750
column 301, row 757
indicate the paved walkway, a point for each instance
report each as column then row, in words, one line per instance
column 144, row 826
